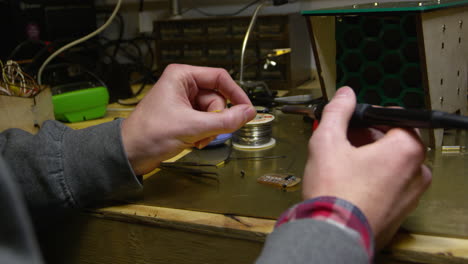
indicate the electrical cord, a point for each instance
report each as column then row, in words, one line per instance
column 22, row 45
column 137, row 60
column 78, row 41
column 121, row 25
column 82, row 68
column 246, row 40
column 147, row 73
column 42, row 53
column 121, row 32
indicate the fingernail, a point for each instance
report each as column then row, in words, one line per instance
column 343, row 92
column 249, row 112
column 198, row 144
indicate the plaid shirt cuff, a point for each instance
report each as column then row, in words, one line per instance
column 335, row 211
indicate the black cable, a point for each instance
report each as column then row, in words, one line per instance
column 141, row 5
column 242, row 9
column 22, row 44
column 147, row 41
column 121, row 22
column 121, row 32
column 40, row 56
column 150, row 49
column 138, row 49
column 82, row 68
column 139, row 65
column 142, row 87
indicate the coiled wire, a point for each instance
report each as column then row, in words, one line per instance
column 253, row 134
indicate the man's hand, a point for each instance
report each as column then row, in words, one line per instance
column 179, row 112
column 384, row 176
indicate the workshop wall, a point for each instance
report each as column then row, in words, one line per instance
column 139, row 21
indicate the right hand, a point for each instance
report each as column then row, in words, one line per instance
column 384, row 177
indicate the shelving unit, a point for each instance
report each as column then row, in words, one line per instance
column 217, row 42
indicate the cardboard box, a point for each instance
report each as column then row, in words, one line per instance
column 26, row 113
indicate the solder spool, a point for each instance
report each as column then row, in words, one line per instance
column 256, row 134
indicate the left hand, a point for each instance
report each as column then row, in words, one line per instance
column 178, row 113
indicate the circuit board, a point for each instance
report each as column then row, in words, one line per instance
column 283, row 180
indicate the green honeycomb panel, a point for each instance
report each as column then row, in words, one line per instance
column 378, row 56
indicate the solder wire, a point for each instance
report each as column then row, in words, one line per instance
column 253, row 134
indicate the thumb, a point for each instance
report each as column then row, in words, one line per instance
column 338, row 112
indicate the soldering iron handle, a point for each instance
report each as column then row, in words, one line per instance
column 368, row 115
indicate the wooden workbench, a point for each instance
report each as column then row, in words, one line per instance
column 136, row 233
column 146, row 234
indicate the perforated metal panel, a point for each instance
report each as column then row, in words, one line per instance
column 378, row 56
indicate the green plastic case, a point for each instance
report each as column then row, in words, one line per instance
column 81, row 105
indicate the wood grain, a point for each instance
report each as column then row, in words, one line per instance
column 324, row 47
column 95, row 240
column 445, row 43
column 248, row 228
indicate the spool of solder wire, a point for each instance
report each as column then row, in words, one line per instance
column 256, row 134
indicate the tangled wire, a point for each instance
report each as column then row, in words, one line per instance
column 15, row 82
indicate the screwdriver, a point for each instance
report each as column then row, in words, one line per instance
column 366, row 115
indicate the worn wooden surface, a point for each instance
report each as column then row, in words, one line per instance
column 26, row 113
column 324, row 47
column 444, row 37
column 428, row 249
column 135, row 233
column 147, row 234
column 95, row 239
column 248, row 228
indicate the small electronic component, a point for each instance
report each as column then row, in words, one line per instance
column 453, row 149
column 283, row 180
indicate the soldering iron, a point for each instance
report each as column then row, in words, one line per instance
column 366, row 115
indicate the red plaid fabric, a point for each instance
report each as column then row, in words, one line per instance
column 337, row 211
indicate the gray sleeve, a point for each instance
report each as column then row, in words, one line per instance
column 61, row 168
column 312, row 241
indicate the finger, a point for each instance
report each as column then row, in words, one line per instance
column 204, row 142
column 206, row 124
column 418, row 185
column 401, row 142
column 219, row 80
column 210, row 101
column 363, row 136
column 422, row 181
column 337, row 113
column 426, row 175
column 384, row 129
